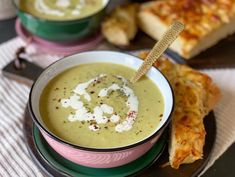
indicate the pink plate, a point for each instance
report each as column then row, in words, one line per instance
column 58, row 48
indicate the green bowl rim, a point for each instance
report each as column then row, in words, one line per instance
column 61, row 21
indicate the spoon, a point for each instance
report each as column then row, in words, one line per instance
column 167, row 39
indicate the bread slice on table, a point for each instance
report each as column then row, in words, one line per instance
column 195, row 96
column 206, row 22
column 121, row 25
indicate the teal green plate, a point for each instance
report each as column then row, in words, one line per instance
column 67, row 167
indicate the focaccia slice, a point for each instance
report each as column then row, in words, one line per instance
column 187, row 138
column 121, row 25
column 195, row 96
column 206, row 22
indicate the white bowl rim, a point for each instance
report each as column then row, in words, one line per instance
column 60, row 140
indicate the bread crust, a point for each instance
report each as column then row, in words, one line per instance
column 195, row 96
column 120, row 27
column 206, row 22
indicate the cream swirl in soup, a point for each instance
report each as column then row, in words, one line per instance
column 97, row 115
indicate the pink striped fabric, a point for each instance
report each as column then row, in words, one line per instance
column 14, row 158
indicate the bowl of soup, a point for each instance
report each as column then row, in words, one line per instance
column 62, row 20
column 88, row 111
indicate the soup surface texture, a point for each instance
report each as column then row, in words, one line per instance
column 62, row 9
column 94, row 105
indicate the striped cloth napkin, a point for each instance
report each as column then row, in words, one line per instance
column 14, row 158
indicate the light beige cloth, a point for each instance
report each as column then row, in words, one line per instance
column 7, row 9
column 14, row 158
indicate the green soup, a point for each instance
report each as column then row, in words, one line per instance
column 62, row 9
column 94, row 105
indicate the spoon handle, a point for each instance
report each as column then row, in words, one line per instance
column 167, row 39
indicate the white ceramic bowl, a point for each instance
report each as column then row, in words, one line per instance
column 92, row 157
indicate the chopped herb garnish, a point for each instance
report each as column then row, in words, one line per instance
column 95, row 126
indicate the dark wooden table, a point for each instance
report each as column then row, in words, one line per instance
column 223, row 167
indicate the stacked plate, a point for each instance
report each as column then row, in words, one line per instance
column 62, row 36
